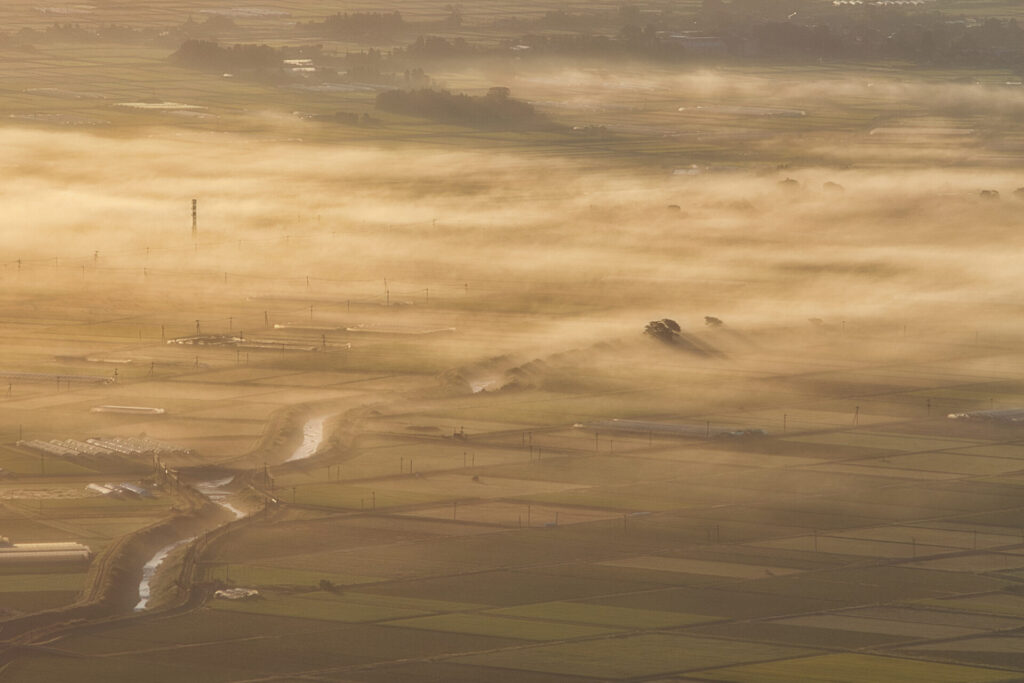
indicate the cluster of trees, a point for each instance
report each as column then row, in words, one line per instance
column 70, row 32
column 373, row 66
column 788, row 29
column 590, row 20
column 76, row 33
column 581, row 44
column 436, row 47
column 207, row 54
column 839, row 33
column 784, row 29
column 366, row 67
column 561, row 20
column 665, row 330
column 376, row 25
column 359, row 25
column 668, row 331
column 630, row 42
column 266, row 63
column 861, row 31
column 496, row 109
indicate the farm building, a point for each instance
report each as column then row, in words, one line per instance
column 134, row 489
column 11, row 553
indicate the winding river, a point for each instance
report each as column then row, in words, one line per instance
column 215, row 493
column 149, row 571
column 213, row 490
column 312, row 439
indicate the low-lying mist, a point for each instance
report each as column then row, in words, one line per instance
column 838, row 244
column 805, row 89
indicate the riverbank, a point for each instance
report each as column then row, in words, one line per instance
column 112, row 588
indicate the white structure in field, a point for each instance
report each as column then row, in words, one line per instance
column 11, row 553
column 236, row 593
column 128, row 445
column 128, row 410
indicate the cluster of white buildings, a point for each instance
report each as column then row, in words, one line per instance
column 130, row 446
column 42, row 552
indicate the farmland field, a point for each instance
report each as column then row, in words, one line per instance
column 853, row 669
column 630, row 341
column 628, row 657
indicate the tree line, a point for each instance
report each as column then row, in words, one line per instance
column 495, row 110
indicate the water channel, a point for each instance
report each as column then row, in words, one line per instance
column 312, row 439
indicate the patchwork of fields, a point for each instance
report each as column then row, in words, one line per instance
column 442, row 543
column 514, row 482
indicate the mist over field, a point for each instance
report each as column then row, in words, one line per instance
column 837, row 242
column 607, row 83
column 511, row 342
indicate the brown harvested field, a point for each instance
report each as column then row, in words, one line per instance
column 882, row 626
column 691, row 566
column 514, row 514
column 461, row 486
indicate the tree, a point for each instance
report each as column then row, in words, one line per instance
column 665, row 330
